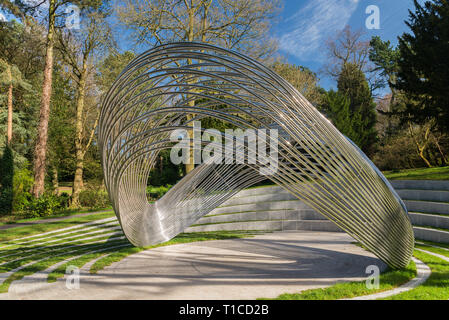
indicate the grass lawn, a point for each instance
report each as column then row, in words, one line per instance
column 437, row 285
column 435, row 288
column 17, row 218
column 19, row 232
column 77, row 246
column 388, row 280
column 437, row 173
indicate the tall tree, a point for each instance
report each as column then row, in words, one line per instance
column 347, row 46
column 110, row 67
column 11, row 77
column 424, row 65
column 79, row 50
column 385, row 58
column 6, row 180
column 54, row 10
column 21, row 47
column 353, row 84
column 42, row 130
column 302, row 78
column 336, row 107
column 61, row 128
column 239, row 25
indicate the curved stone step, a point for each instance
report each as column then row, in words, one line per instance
column 260, row 191
column 262, row 206
column 284, row 225
column 430, row 220
column 263, row 215
column 420, row 184
column 431, row 235
column 265, row 197
column 427, row 206
column 424, row 195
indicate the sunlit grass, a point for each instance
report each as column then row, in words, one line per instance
column 388, row 280
column 436, row 286
column 438, row 173
column 19, row 232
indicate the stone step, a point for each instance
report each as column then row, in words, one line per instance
column 257, row 191
column 264, row 215
column 310, row 225
column 430, row 220
column 427, row 206
column 265, row 197
column 262, row 206
column 442, row 185
column 424, row 195
column 431, row 235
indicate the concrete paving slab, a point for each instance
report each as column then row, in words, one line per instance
column 264, row 266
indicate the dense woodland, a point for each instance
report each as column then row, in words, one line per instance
column 52, row 79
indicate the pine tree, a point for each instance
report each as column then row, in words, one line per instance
column 11, row 77
column 424, row 65
column 6, row 181
column 353, row 84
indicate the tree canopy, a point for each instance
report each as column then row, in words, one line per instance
column 424, row 65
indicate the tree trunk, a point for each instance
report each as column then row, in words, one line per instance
column 423, row 157
column 191, row 164
column 77, row 182
column 40, row 149
column 9, row 130
column 55, row 181
column 80, row 150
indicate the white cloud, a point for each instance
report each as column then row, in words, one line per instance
column 312, row 25
column 2, row 17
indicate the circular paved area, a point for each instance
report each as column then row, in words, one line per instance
column 263, row 266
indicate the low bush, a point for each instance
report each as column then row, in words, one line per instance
column 155, row 193
column 94, row 199
column 64, row 200
column 44, row 206
column 23, row 182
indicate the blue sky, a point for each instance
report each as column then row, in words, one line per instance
column 305, row 25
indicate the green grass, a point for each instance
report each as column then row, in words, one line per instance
column 10, row 234
column 388, row 280
column 438, row 173
column 14, row 218
column 44, row 264
column 444, row 245
column 110, row 254
column 437, row 285
column 440, row 251
column 79, row 262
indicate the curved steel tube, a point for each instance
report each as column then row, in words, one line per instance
column 175, row 84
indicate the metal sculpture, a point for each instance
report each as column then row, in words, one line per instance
column 173, row 85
